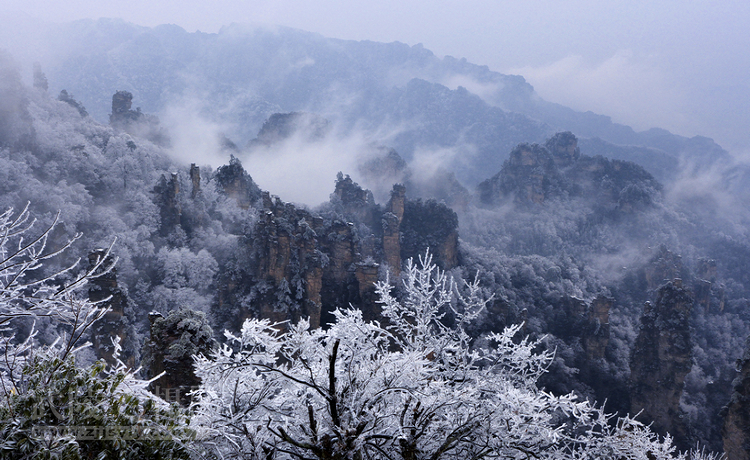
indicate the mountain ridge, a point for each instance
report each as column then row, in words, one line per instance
column 265, row 70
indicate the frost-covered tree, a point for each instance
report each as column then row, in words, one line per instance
column 26, row 291
column 50, row 407
column 57, row 409
column 412, row 388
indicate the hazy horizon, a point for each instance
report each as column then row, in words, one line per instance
column 675, row 65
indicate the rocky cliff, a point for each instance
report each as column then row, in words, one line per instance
column 529, row 175
column 168, row 352
column 535, row 174
column 282, row 126
column 236, row 183
column 595, row 336
column 661, row 359
column 135, row 121
column 289, row 264
column 736, row 430
column 166, row 196
column 294, row 263
column 104, row 291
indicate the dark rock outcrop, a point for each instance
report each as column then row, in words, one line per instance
column 134, row 121
column 289, row 264
column 596, row 334
column 122, row 115
column 357, row 203
column 429, row 225
column 236, row 183
column 588, row 322
column 528, row 176
column 104, row 291
column 166, row 197
column 195, row 180
column 170, row 348
column 564, row 149
column 70, row 100
column 281, row 126
column 661, row 359
column 534, row 174
column 306, row 265
column 391, row 221
column 710, row 296
column 581, row 329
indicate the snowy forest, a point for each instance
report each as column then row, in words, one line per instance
column 266, row 244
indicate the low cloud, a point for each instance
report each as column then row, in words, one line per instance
column 716, row 193
column 296, row 169
column 303, row 171
column 486, row 91
column 194, row 138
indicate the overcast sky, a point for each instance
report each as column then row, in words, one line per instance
column 682, row 65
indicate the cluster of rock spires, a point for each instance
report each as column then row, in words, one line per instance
column 305, row 264
column 536, row 174
column 301, row 263
column 332, row 261
column 336, row 263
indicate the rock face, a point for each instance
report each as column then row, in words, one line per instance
column 535, row 174
column 236, row 183
column 195, row 180
column 736, row 430
column 586, row 325
column 104, row 290
column 134, row 121
column 392, row 218
column 429, row 224
column 281, row 126
column 661, row 359
column 529, row 175
column 596, row 334
column 358, row 204
column 709, row 294
column 122, row 115
column 166, row 197
column 301, row 264
column 289, row 268
column 170, row 348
